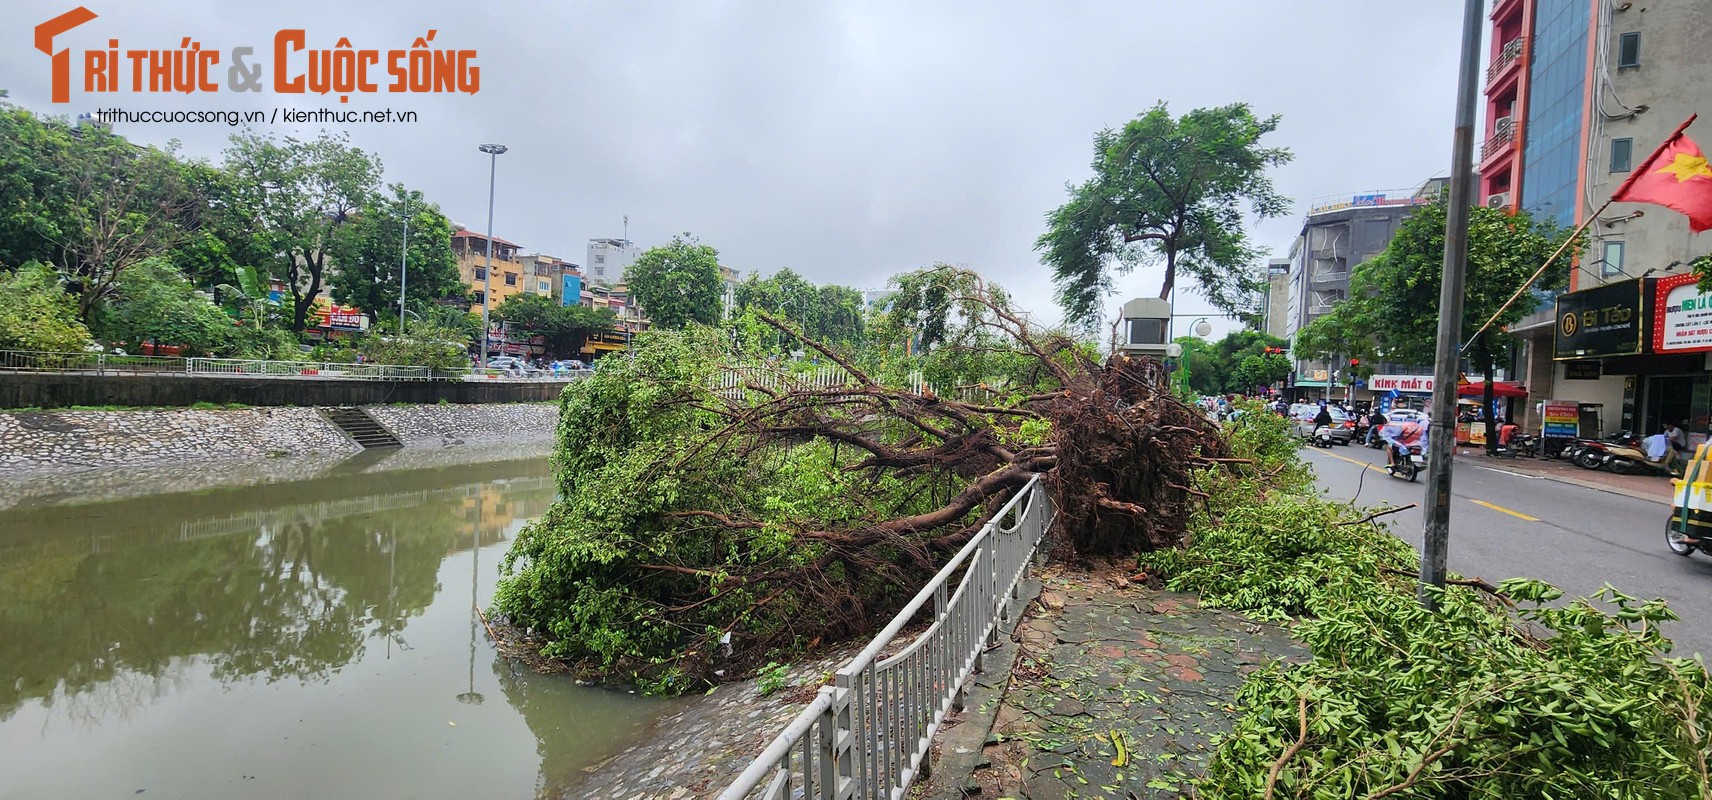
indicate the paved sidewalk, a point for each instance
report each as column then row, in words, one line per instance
column 1117, row 692
column 1641, row 487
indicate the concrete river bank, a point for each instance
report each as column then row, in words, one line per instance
column 311, row 638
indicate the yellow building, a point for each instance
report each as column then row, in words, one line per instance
column 510, row 274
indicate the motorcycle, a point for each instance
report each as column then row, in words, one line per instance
column 1690, row 521
column 1591, row 453
column 1626, row 460
column 1323, row 437
column 1407, row 465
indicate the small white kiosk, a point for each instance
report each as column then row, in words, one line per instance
column 1147, row 328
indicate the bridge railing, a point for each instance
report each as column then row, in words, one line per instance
column 112, row 364
column 867, row 736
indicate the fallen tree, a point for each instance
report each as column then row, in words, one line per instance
column 711, row 518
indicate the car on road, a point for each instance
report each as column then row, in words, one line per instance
column 1302, row 422
column 511, row 365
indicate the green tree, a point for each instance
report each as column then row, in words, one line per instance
column 366, row 253
column 1217, row 367
column 678, row 283
column 36, row 313
column 566, row 328
column 831, row 314
column 154, row 301
column 302, row 192
column 1395, row 295
column 30, row 197
column 1172, row 191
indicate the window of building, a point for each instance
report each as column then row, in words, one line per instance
column 1612, row 263
column 1622, row 150
column 477, row 298
column 481, row 273
column 600, row 258
column 1629, row 50
column 510, row 279
column 1147, row 331
column 542, row 286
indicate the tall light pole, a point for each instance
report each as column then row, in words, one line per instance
column 1435, row 534
column 493, row 151
column 403, row 265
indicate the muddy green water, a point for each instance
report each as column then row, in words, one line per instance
column 312, row 639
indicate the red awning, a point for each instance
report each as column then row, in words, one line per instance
column 1499, row 389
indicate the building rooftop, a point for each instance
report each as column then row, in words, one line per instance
column 465, row 233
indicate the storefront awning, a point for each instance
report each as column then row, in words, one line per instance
column 1499, row 389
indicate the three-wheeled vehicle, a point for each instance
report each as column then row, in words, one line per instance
column 1690, row 524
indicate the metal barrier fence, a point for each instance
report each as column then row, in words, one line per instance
column 110, row 364
column 732, row 382
column 867, row 736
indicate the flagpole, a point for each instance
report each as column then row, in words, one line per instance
column 1633, row 176
column 1537, row 274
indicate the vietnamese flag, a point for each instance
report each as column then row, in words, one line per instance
column 1677, row 177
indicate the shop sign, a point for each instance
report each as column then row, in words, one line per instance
column 1682, row 315
column 1581, row 371
column 1561, row 419
column 342, row 318
column 1401, row 383
column 1602, row 321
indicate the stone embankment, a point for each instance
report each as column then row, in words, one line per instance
column 35, row 443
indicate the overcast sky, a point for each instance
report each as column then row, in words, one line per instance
column 845, row 140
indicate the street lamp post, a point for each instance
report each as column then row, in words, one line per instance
column 494, row 151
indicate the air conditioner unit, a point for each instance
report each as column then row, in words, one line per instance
column 1499, row 200
column 1503, row 126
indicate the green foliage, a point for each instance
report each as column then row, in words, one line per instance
column 622, row 574
column 678, row 283
column 832, row 315
column 299, row 195
column 1168, row 190
column 1550, row 699
column 155, row 301
column 1396, row 294
column 1223, row 367
column 565, row 327
column 37, row 314
column 420, row 346
column 367, row 252
column 773, row 678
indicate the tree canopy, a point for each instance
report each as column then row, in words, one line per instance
column 1172, row 191
column 302, row 193
column 566, row 328
column 1236, row 364
column 367, row 252
column 37, row 314
column 830, row 313
column 678, row 283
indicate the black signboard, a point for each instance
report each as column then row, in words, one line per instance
column 1603, row 321
column 1581, row 371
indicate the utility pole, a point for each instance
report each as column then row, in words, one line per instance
column 1435, row 538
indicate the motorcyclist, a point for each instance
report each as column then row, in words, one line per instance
column 1375, row 422
column 1323, row 419
column 1400, row 436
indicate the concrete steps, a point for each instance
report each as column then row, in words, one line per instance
column 362, row 428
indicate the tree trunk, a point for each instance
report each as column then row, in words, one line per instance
column 1170, row 274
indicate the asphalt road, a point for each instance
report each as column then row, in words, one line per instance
column 1506, row 524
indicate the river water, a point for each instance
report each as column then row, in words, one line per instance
column 309, row 639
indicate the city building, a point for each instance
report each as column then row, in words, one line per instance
column 729, row 279
column 1276, row 308
column 1338, row 233
column 609, row 258
column 510, row 274
column 552, row 277
column 1578, row 94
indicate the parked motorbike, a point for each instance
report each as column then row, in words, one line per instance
column 1626, row 460
column 1407, row 465
column 1690, row 519
column 1591, row 453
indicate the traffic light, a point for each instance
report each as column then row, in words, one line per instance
column 1354, row 362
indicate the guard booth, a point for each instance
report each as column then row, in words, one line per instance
column 1147, row 328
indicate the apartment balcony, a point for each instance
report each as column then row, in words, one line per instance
column 1502, row 140
column 1505, row 65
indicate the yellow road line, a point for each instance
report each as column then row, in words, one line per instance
column 1354, row 461
column 1502, row 510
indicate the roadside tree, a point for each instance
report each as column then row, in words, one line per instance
column 154, row 301
column 1394, row 297
column 302, row 193
column 566, row 328
column 366, row 255
column 1172, row 191
column 678, row 283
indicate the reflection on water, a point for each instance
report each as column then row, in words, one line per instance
column 307, row 639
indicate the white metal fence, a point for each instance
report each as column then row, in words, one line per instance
column 110, row 364
column 868, row 734
column 732, row 382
